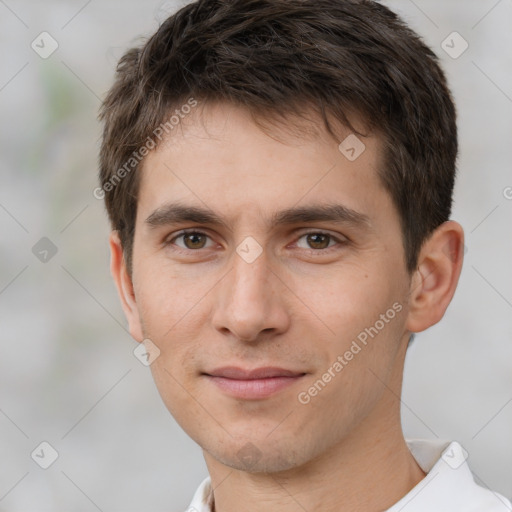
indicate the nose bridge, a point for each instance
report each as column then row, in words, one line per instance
column 250, row 282
column 250, row 304
column 250, row 275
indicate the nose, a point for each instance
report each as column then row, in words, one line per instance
column 250, row 301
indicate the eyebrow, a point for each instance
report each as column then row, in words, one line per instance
column 175, row 213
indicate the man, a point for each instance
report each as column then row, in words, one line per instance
column 279, row 177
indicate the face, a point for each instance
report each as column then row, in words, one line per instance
column 296, row 264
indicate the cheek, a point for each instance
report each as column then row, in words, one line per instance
column 360, row 363
column 361, row 316
column 168, row 299
column 175, row 370
column 345, row 301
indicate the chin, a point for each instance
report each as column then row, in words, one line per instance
column 257, row 456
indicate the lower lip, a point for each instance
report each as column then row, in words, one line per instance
column 255, row 388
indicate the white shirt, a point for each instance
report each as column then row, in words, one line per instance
column 449, row 485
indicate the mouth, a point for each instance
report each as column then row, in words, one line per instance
column 252, row 384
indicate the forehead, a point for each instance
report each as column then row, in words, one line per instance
column 220, row 157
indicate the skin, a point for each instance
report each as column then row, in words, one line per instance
column 298, row 305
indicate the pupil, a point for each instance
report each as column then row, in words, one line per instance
column 193, row 237
column 316, row 242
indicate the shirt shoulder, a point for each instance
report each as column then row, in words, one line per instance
column 449, row 485
column 202, row 499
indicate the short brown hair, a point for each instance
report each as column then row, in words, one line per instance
column 279, row 57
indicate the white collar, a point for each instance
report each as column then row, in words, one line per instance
column 449, row 485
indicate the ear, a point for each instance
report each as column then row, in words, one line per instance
column 124, row 286
column 435, row 279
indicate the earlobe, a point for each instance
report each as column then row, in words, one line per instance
column 124, row 286
column 437, row 275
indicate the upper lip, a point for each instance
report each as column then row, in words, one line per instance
column 233, row 372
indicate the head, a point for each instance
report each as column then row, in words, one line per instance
column 308, row 148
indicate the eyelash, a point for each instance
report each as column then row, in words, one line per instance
column 313, row 232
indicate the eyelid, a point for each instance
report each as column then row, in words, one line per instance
column 340, row 239
column 170, row 240
column 337, row 236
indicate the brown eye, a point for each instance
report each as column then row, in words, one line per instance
column 318, row 240
column 194, row 240
column 190, row 240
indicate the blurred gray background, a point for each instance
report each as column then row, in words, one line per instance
column 68, row 375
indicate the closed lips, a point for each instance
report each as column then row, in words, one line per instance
column 232, row 372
